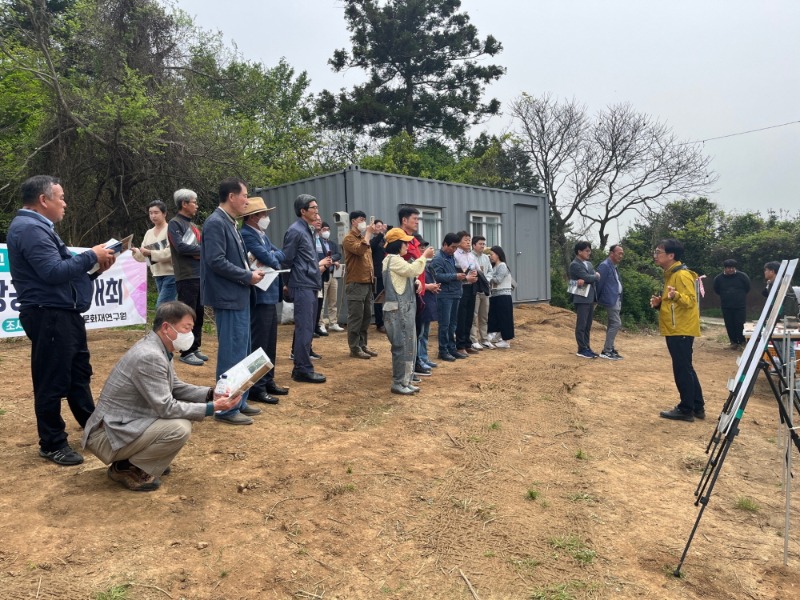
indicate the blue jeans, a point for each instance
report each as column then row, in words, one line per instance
column 448, row 319
column 422, row 342
column 167, row 292
column 233, row 333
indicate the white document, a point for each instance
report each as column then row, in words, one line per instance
column 269, row 273
column 269, row 276
column 338, row 271
column 574, row 288
column 244, row 374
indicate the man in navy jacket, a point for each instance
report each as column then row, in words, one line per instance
column 226, row 284
column 450, row 279
column 53, row 289
column 303, row 284
column 264, row 313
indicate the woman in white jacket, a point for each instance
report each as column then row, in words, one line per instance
column 155, row 251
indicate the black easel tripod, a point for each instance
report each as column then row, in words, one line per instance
column 740, row 390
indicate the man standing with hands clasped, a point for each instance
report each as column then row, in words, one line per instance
column 732, row 287
column 53, row 289
column 609, row 296
column 679, row 322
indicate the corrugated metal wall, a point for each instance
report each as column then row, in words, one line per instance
column 525, row 230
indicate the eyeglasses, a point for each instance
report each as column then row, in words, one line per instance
column 658, row 251
column 315, row 207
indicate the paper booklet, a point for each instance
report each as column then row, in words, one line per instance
column 156, row 246
column 573, row 288
column 117, row 246
column 244, row 374
column 269, row 273
column 189, row 238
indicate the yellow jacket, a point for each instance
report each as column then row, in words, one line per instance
column 681, row 315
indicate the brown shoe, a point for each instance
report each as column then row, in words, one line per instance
column 469, row 350
column 134, row 478
column 359, row 354
column 369, row 351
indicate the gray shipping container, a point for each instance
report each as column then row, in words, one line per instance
column 517, row 221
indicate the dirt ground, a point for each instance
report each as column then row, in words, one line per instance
column 523, row 473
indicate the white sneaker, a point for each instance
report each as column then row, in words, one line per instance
column 489, row 345
column 503, row 344
column 322, row 328
column 335, row 327
column 477, row 346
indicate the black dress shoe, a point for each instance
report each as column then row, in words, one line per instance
column 312, row 377
column 319, row 332
column 460, row 355
column 276, row 390
column 262, row 397
column 677, row 415
column 447, row 357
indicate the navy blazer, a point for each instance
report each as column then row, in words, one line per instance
column 224, row 273
column 300, row 255
column 257, row 243
column 608, row 287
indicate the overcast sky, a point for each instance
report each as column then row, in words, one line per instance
column 708, row 68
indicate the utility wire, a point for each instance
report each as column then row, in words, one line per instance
column 722, row 137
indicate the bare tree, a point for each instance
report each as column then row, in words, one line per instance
column 594, row 171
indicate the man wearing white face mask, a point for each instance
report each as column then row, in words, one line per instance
column 330, row 284
column 359, row 278
column 143, row 417
column 263, row 310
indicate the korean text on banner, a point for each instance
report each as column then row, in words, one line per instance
column 119, row 297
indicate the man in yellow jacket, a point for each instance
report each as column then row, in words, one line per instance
column 679, row 323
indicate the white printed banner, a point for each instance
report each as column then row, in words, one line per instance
column 119, row 298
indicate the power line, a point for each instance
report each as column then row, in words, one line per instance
column 722, row 137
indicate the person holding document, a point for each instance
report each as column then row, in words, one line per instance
column 184, row 241
column 582, row 272
column 143, row 417
column 155, row 251
column 53, row 289
column 226, row 284
column 263, row 311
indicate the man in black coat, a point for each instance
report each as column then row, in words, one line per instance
column 732, row 287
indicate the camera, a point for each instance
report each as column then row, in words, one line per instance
column 341, row 216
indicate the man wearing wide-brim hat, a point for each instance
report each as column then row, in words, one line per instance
column 264, row 312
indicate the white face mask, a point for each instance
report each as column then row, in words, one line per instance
column 183, row 341
column 325, row 235
column 362, row 226
column 263, row 223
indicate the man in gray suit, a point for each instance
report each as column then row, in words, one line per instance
column 142, row 419
column 582, row 272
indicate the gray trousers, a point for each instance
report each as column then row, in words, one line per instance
column 152, row 452
column 614, row 323
column 402, row 332
column 583, row 327
column 359, row 313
